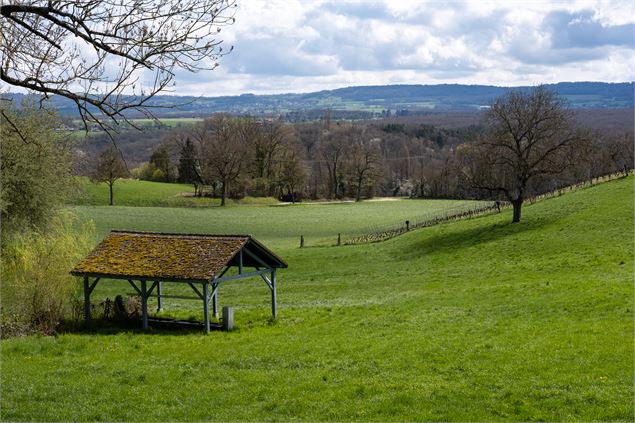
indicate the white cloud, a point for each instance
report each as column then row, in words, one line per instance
column 296, row 46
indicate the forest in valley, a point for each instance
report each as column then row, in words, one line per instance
column 327, row 158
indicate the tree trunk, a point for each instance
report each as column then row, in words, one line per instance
column 517, row 203
column 110, row 184
column 359, row 188
column 223, row 193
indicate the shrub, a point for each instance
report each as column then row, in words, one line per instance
column 35, row 170
column 37, row 289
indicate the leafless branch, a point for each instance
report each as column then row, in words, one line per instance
column 100, row 54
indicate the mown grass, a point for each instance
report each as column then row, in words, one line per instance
column 135, row 193
column 279, row 226
column 478, row 320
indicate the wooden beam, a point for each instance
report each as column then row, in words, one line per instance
column 274, row 305
column 86, row 300
column 215, row 303
column 131, row 282
column 138, row 278
column 144, row 304
column 93, row 285
column 154, row 285
column 223, row 272
column 242, row 276
column 180, row 297
column 267, row 281
column 206, row 306
column 195, row 289
column 159, row 296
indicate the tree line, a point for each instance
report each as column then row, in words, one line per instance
column 527, row 143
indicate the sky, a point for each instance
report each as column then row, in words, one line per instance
column 303, row 46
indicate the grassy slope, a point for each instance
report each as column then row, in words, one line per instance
column 136, row 193
column 476, row 320
column 279, row 226
column 130, row 192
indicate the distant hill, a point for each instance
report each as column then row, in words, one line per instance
column 381, row 100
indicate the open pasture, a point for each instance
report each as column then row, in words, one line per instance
column 477, row 320
column 279, row 225
column 131, row 192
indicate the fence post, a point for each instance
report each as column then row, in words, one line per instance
column 301, row 241
column 339, row 239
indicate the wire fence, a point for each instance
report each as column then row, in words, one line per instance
column 377, row 234
column 462, row 212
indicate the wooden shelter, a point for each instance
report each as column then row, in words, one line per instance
column 148, row 259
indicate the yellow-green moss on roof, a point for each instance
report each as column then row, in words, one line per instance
column 140, row 255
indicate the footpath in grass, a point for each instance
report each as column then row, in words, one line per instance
column 477, row 320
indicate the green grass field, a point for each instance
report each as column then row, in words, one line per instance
column 279, row 226
column 136, row 193
column 154, row 206
column 131, row 192
column 477, row 320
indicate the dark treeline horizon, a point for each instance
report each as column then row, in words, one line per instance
column 335, row 159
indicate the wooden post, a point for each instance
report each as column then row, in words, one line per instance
column 144, row 304
column 86, row 300
column 301, row 241
column 228, row 318
column 206, row 305
column 339, row 239
column 215, row 304
column 159, row 293
column 274, row 306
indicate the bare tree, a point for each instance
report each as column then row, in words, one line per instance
column 108, row 56
column 530, row 134
column 271, row 138
column 222, row 152
column 621, row 150
column 109, row 168
column 363, row 159
column 332, row 152
column 292, row 171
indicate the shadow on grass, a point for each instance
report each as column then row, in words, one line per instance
column 157, row 326
column 449, row 239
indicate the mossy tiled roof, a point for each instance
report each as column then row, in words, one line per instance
column 139, row 255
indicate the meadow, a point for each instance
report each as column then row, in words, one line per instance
column 280, row 224
column 477, row 320
column 132, row 192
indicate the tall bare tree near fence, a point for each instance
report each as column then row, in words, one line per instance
column 530, row 134
column 98, row 53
